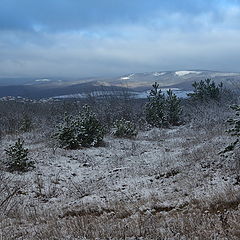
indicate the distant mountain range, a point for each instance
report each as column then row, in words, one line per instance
column 136, row 82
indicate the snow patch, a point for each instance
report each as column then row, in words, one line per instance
column 77, row 95
column 157, row 74
column 183, row 73
column 220, row 74
column 127, row 77
column 43, row 80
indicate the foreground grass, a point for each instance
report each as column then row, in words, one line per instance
column 165, row 184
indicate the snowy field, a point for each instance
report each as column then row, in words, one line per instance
column 164, row 184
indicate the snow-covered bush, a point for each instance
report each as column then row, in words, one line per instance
column 83, row 130
column 125, row 129
column 17, row 157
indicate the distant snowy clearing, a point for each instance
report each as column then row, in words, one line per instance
column 137, row 95
column 183, row 73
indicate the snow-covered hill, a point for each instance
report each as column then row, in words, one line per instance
column 137, row 82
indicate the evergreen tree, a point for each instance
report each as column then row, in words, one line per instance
column 206, row 90
column 17, row 159
column 26, row 124
column 155, row 108
column 173, row 108
column 65, row 133
column 235, row 130
column 125, row 129
column 83, row 130
column 89, row 130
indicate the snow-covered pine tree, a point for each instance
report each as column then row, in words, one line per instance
column 234, row 131
column 234, row 146
column 206, row 90
column 173, row 108
column 66, row 133
column 89, row 131
column 17, row 157
column 26, row 124
column 125, row 129
column 83, row 130
column 155, row 108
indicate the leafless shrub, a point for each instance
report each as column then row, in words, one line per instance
column 114, row 105
column 78, row 190
column 9, row 194
column 208, row 116
column 47, row 189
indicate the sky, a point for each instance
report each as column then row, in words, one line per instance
column 83, row 38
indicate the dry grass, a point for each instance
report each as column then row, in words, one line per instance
column 216, row 218
column 165, row 184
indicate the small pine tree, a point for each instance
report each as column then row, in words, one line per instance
column 173, row 108
column 89, row 130
column 235, row 130
column 26, row 124
column 81, row 131
column 125, row 129
column 155, row 108
column 65, row 134
column 17, row 157
column 206, row 90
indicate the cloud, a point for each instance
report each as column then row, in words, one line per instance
column 77, row 55
column 75, row 38
column 62, row 15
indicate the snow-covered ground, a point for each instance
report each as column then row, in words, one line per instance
column 158, row 176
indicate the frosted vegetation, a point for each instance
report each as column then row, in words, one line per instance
column 122, row 168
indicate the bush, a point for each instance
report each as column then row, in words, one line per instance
column 81, row 131
column 125, row 129
column 206, row 90
column 17, row 159
column 161, row 110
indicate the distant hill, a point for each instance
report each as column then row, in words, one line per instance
column 46, row 87
column 48, row 91
column 180, row 79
